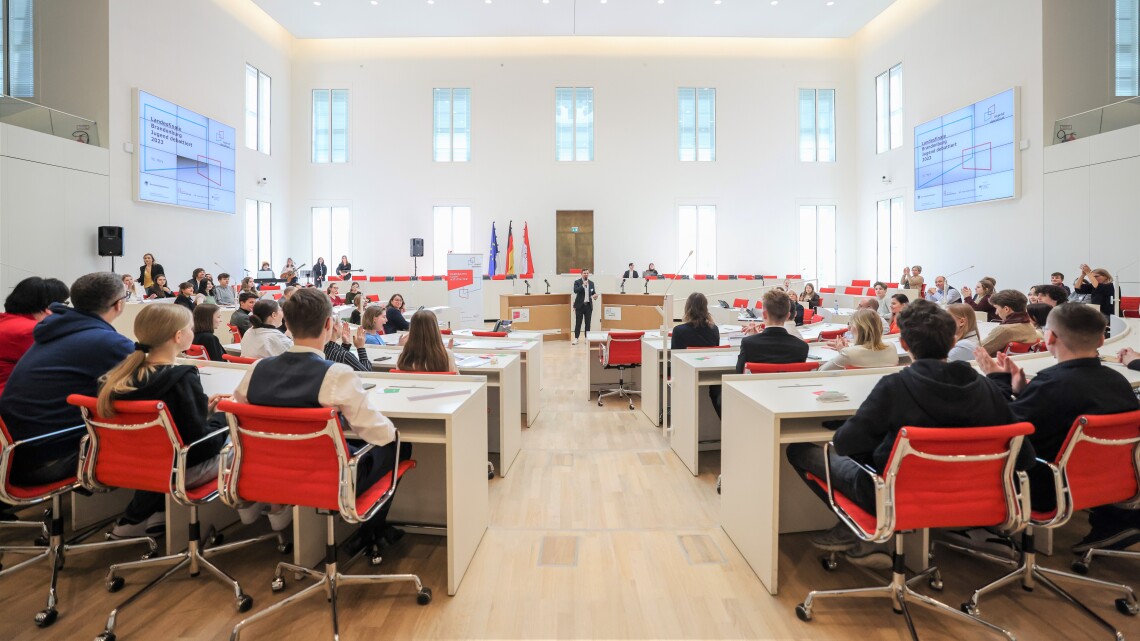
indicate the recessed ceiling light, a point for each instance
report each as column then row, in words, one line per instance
column 316, row 4
column 374, row 3
column 660, row 1
column 716, row 1
column 487, row 1
column 830, row 4
column 545, row 1
column 775, row 2
column 604, row 1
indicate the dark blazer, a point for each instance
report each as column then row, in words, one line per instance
column 686, row 336
column 798, row 314
column 630, row 273
column 156, row 270
column 320, row 272
column 395, row 321
column 185, row 301
column 583, row 294
column 773, row 345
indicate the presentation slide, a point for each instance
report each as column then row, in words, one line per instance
column 967, row 156
column 184, row 158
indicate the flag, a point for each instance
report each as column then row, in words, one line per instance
column 510, row 249
column 526, row 258
column 491, row 267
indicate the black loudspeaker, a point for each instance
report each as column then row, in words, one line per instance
column 110, row 241
column 417, row 247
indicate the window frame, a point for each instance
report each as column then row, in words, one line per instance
column 329, row 249
column 262, row 110
column 888, row 118
column 895, row 235
column 6, row 74
column 574, row 125
column 450, row 125
column 1117, row 54
column 331, row 129
column 813, row 271
column 699, row 262
column 439, row 251
column 262, row 213
column 816, row 129
column 696, row 125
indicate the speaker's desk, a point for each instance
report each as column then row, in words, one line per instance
column 634, row 311
column 450, row 438
column 547, row 313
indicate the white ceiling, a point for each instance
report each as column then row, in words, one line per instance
column 449, row 18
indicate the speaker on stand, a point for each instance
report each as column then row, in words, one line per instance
column 417, row 251
column 110, row 243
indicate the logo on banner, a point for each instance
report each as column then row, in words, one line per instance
column 459, row 278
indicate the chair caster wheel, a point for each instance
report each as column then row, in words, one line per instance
column 115, row 583
column 935, row 583
column 802, row 613
column 599, row 403
column 216, row 540
column 490, row 476
column 631, row 406
column 970, row 609
column 375, row 560
column 41, row 541
column 285, row 549
column 1080, row 567
column 1131, row 609
column 829, row 563
column 277, row 584
column 106, row 636
column 46, row 617
column 424, row 596
column 243, row 603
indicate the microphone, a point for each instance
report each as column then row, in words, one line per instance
column 219, row 266
column 547, row 285
column 623, row 285
column 527, row 283
column 298, row 268
column 245, row 270
column 647, row 286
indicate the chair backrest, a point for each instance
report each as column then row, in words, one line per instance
column 410, row 371
column 1022, row 348
column 291, row 456
column 827, row 290
column 954, row 477
column 235, row 333
column 861, row 283
column 892, row 285
column 136, row 449
column 1130, row 306
column 229, row 358
column 722, row 277
column 853, row 291
column 445, row 332
column 793, row 276
column 1100, row 461
column 622, row 348
column 771, row 277
column 359, row 278
column 740, row 303
column 831, row 334
column 780, row 368
column 375, row 279
column 197, row 353
column 488, row 334
column 575, row 271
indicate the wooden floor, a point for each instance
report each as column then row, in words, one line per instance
column 599, row 532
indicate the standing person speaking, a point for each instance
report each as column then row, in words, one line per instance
column 584, row 297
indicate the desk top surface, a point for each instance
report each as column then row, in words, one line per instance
column 464, row 361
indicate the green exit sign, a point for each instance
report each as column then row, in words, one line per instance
column 574, row 230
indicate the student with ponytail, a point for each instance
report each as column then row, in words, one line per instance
column 149, row 373
column 264, row 337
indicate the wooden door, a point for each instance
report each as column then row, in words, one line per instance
column 575, row 249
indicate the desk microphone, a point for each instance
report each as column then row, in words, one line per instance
column 219, row 266
column 547, row 285
column 623, row 285
column 647, row 286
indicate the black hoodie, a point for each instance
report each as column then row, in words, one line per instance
column 929, row 393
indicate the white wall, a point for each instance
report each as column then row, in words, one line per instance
column 636, row 182
column 955, row 53
column 199, row 65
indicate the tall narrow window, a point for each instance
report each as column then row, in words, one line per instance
column 889, row 109
column 257, row 109
column 452, row 128
column 258, row 234
column 452, row 234
column 17, row 49
column 817, row 125
column 330, row 125
column 889, row 251
column 817, row 244
column 696, row 232
column 573, row 123
column 696, row 126
column 332, row 234
column 1127, row 47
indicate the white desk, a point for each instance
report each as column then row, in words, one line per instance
column 529, row 350
column 125, row 323
column 653, row 369
column 451, row 456
column 504, row 393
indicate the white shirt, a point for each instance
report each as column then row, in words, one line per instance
column 262, row 342
column 963, row 350
column 341, row 389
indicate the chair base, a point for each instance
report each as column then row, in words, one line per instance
column 56, row 552
column 196, row 558
column 621, row 391
column 1030, row 573
column 900, row 593
column 1081, row 565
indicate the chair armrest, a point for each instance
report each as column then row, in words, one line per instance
column 25, row 441
column 178, row 474
column 186, row 447
column 349, row 500
column 883, row 530
column 226, row 476
column 1064, row 504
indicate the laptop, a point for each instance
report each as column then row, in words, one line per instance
column 724, row 304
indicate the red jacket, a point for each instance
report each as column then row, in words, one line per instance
column 15, row 339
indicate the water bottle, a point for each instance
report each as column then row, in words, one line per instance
column 836, row 309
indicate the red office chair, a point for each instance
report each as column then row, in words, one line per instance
column 815, row 318
column 1130, row 306
column 320, row 474
column 238, row 359
column 892, row 285
column 575, row 271
column 830, row 334
column 139, row 448
column 51, row 529
column 793, row 276
column 935, row 478
column 196, row 353
column 827, row 290
column 853, row 291
column 1097, row 465
column 621, row 350
column 485, row 334
column 235, row 333
column 780, row 368
column 740, row 303
column 861, row 283
column 375, row 279
column 771, row 277
column 445, row 332
column 1024, row 348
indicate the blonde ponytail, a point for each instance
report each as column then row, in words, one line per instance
column 155, row 325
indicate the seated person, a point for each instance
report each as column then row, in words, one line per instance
column 353, row 293
column 868, row 349
column 394, row 315
column 809, row 298
column 1038, row 315
column 630, row 272
column 873, row 305
column 774, row 344
column 966, row 337
column 248, row 285
column 423, row 346
column 929, row 393
column 796, row 314
column 203, row 282
column 942, row 292
column 224, row 294
column 334, row 294
column 208, row 318
column 1052, row 295
column 1033, row 296
column 372, row 324
column 28, row 304
column 1015, row 325
column 289, row 291
column 342, row 352
column 650, row 271
column 698, row 330
column 159, row 289
column 1078, row 384
column 186, row 296
column 290, row 278
column 73, row 347
column 357, row 314
column 979, row 299
column 308, row 315
column 1058, row 279
column 898, row 302
column 149, row 373
column 265, row 338
column 135, row 291
column 240, row 318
